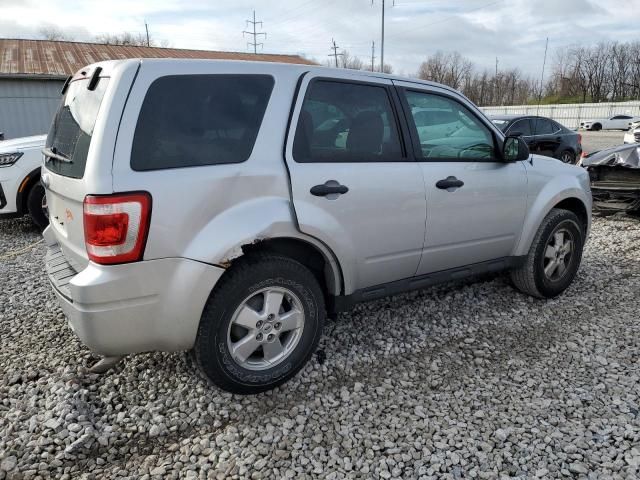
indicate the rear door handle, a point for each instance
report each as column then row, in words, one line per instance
column 330, row 187
column 449, row 183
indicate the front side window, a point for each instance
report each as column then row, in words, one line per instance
column 447, row 130
column 346, row 122
column 196, row 120
column 72, row 127
column 522, row 127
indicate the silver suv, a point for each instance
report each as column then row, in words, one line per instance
column 227, row 208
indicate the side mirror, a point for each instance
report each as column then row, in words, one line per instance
column 514, row 149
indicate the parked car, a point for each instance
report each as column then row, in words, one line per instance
column 617, row 122
column 20, row 190
column 633, row 134
column 227, row 207
column 543, row 136
column 615, row 178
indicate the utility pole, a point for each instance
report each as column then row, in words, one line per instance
column 335, row 53
column 254, row 33
column 146, row 27
column 495, row 84
column 544, row 64
column 382, row 37
column 373, row 49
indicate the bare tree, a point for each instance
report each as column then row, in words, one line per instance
column 52, row 32
column 126, row 38
column 350, row 61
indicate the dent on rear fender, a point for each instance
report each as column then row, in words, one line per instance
column 227, row 235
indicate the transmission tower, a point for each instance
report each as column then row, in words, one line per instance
column 254, row 33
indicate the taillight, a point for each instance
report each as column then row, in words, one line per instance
column 116, row 226
column 580, row 139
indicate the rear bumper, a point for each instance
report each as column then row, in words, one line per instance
column 153, row 305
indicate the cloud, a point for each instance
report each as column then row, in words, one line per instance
column 512, row 30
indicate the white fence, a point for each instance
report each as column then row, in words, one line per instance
column 568, row 114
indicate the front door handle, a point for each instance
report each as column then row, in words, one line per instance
column 449, row 183
column 330, row 187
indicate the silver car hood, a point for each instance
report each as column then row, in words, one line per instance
column 622, row 156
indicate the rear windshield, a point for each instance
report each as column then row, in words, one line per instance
column 72, row 127
column 193, row 120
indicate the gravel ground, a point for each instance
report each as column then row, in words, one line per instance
column 593, row 141
column 471, row 380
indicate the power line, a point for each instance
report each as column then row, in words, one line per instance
column 254, row 33
column 451, row 17
column 335, row 53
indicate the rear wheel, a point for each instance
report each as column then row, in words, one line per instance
column 37, row 206
column 260, row 325
column 568, row 157
column 554, row 257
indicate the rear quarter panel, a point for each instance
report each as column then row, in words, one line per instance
column 207, row 213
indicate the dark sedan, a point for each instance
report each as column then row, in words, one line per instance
column 543, row 135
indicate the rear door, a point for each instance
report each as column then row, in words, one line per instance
column 475, row 202
column 354, row 185
column 548, row 137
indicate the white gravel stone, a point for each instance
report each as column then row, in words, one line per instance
column 466, row 380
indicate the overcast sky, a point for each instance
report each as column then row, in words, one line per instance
column 512, row 30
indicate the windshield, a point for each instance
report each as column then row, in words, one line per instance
column 72, row 128
column 501, row 124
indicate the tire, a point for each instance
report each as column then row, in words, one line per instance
column 568, row 157
column 36, row 206
column 596, row 126
column 246, row 286
column 531, row 278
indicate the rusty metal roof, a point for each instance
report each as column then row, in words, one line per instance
column 60, row 59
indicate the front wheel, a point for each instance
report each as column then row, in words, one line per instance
column 554, row 257
column 260, row 325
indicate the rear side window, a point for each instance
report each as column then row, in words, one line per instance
column 346, row 122
column 542, row 126
column 72, row 127
column 194, row 120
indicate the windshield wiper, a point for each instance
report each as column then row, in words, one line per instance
column 50, row 153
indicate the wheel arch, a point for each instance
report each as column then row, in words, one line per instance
column 25, row 187
column 573, row 199
column 320, row 261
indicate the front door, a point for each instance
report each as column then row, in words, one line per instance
column 354, row 186
column 475, row 202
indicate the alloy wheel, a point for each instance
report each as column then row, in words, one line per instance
column 558, row 254
column 266, row 328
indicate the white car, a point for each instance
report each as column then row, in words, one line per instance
column 632, row 135
column 20, row 189
column 617, row 122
